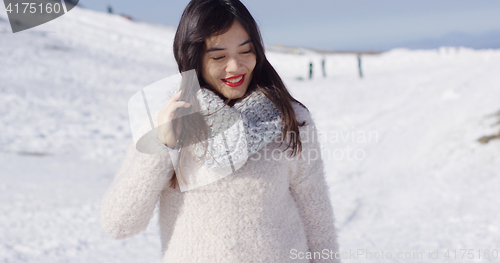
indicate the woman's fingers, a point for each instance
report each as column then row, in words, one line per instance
column 166, row 115
column 175, row 105
column 173, row 98
column 179, row 104
column 176, row 95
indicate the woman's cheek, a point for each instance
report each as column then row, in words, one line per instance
column 215, row 73
column 253, row 62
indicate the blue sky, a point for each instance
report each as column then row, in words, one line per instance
column 339, row 25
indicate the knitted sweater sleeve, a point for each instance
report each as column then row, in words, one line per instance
column 129, row 203
column 311, row 192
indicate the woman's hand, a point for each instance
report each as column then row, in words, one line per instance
column 165, row 116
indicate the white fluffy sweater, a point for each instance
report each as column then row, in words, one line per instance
column 273, row 209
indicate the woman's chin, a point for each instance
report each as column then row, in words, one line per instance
column 234, row 92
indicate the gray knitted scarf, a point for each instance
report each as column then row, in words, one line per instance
column 238, row 131
column 235, row 133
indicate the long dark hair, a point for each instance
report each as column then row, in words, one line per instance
column 205, row 18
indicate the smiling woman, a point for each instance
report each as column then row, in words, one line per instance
column 267, row 208
column 229, row 61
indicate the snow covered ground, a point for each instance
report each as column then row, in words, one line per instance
column 405, row 169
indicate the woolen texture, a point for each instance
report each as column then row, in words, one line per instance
column 272, row 205
column 259, row 120
column 236, row 133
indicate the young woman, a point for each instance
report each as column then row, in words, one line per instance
column 275, row 205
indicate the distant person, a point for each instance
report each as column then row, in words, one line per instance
column 323, row 67
column 359, row 66
column 263, row 212
column 110, row 9
column 310, row 70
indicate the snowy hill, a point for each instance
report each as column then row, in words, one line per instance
column 490, row 39
column 406, row 171
column 65, row 71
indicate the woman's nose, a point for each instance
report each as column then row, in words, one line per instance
column 233, row 65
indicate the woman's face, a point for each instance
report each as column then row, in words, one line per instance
column 229, row 61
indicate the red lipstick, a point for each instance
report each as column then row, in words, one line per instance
column 234, row 84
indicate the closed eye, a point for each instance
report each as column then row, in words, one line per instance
column 246, row 52
column 217, row 58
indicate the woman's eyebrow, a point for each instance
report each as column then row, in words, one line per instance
column 218, row 48
column 244, row 43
